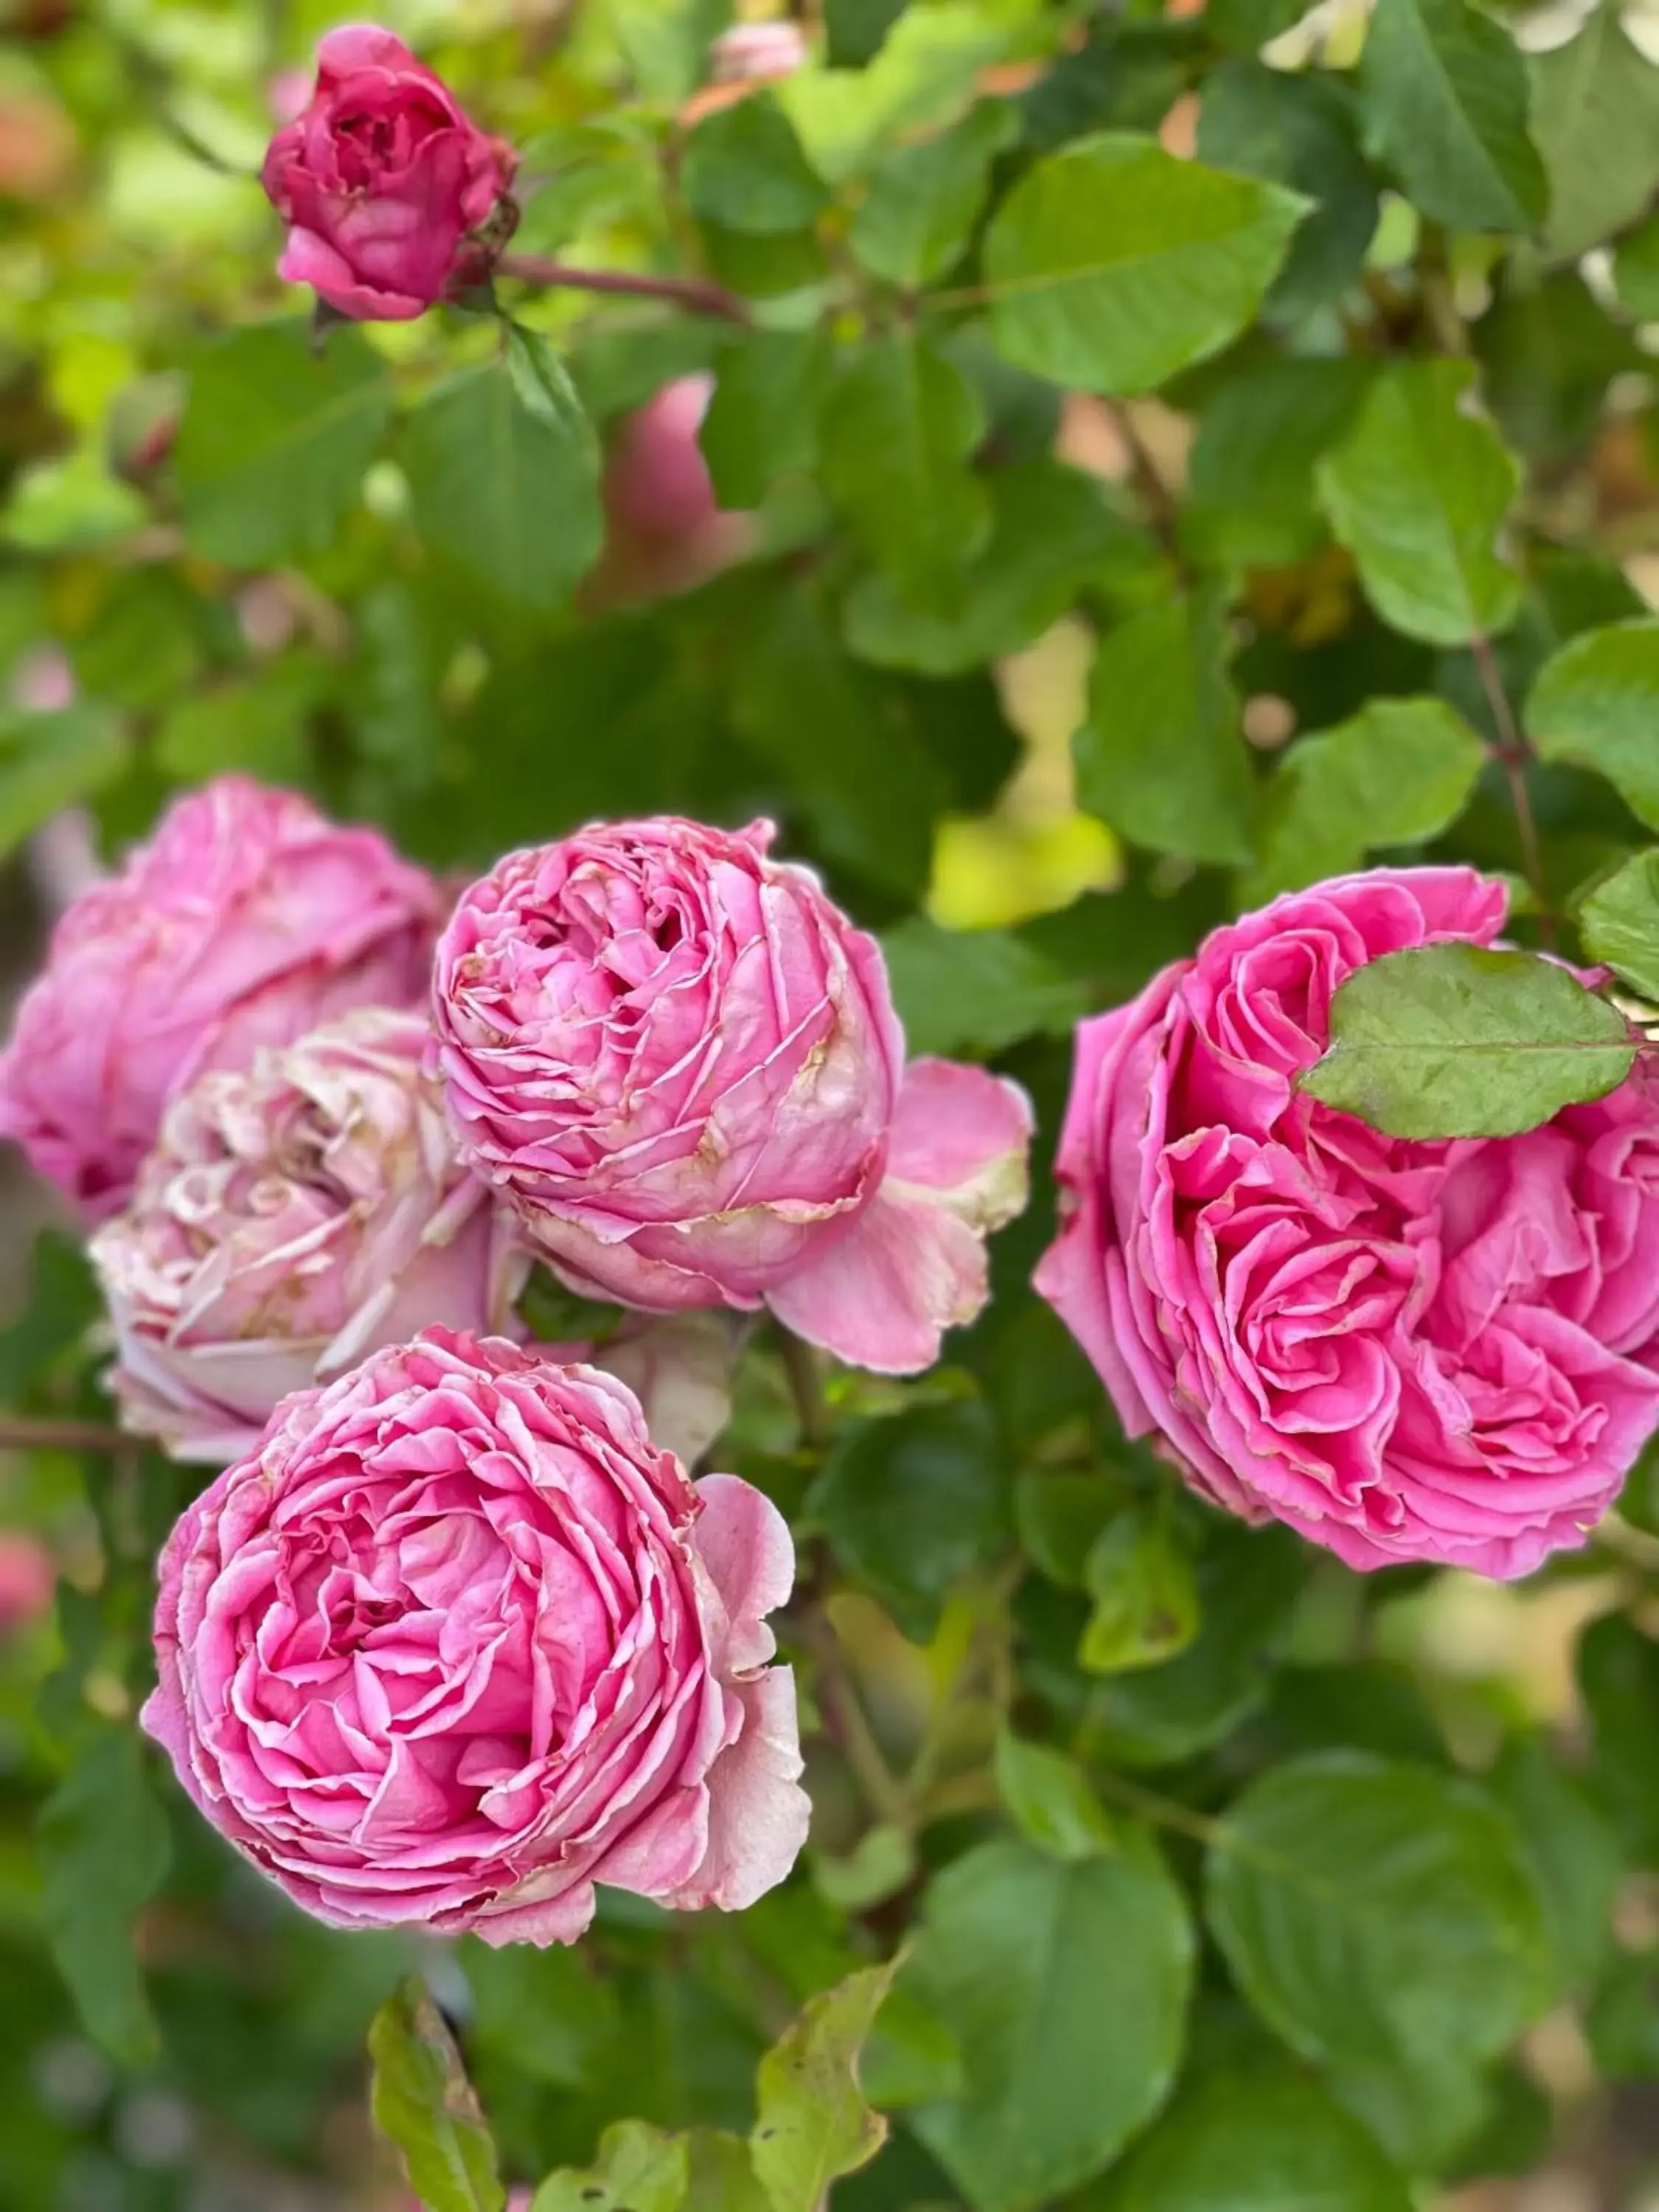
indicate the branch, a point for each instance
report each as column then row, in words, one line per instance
column 22, row 1434
column 1513, row 752
column 694, row 293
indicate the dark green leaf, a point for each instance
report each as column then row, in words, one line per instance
column 1574, row 1852
column 1595, row 120
column 976, row 990
column 1111, row 265
column 761, row 420
column 744, row 168
column 1619, row 921
column 897, row 433
column 1065, row 1985
column 1445, row 92
column 1456, row 1041
column 1619, row 1681
column 1160, row 757
column 1595, row 703
column 1419, row 493
column 1636, row 270
column 423, row 2102
column 812, row 2123
column 910, row 2058
column 915, row 218
column 1261, row 2143
column 276, row 439
column 1048, row 1799
column 1059, row 1517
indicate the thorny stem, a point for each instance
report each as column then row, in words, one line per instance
column 696, row 293
column 1512, row 753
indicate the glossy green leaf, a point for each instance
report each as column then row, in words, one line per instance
column 744, row 167
column 423, row 2102
column 276, row 437
column 1111, row 264
column 1444, row 93
column 897, row 433
column 1258, row 2143
column 812, row 2120
column 1619, row 921
column 922, row 200
column 1594, row 704
column 639, row 2169
column 1048, row 1799
column 1458, row 1041
column 1596, row 118
column 1017, row 1952
column 1160, row 757
column 1419, row 492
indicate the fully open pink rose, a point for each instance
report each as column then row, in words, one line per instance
column 1407, row 1350
column 384, row 179
column 458, row 1641
column 292, row 1218
column 247, row 919
column 681, row 1064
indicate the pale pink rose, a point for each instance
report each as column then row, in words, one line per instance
column 248, row 918
column 458, row 1641
column 681, row 1064
column 1438, row 1351
column 666, row 532
column 27, row 1578
column 757, row 54
column 292, row 1218
column 385, row 183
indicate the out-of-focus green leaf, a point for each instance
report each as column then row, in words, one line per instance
column 744, row 167
column 1459, row 1041
column 1594, row 704
column 1111, row 265
column 897, row 432
column 423, row 2102
column 1444, row 91
column 1265, row 2142
column 1596, row 118
column 1574, row 1853
column 813, row 2122
column 1048, row 1799
column 1636, row 270
column 762, row 414
column 1143, row 1596
column 976, row 990
column 1619, row 1680
column 915, row 217
column 47, row 762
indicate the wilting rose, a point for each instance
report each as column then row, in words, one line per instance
column 292, row 1218
column 247, row 919
column 384, row 181
column 1424, row 1351
column 681, row 1064
column 458, row 1641
column 27, row 1578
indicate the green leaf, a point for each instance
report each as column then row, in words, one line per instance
column 1065, row 1985
column 1596, row 118
column 1458, row 1041
column 48, row 762
column 1594, row 704
column 1051, row 535
column 722, row 2178
column 1576, row 1859
column 911, row 2058
column 1048, row 1799
column 639, row 2169
column 276, row 439
column 1444, row 91
column 915, row 218
column 1380, row 1917
column 1401, row 771
column 897, row 432
column 1619, row 921
column 911, row 1503
column 1419, row 493
column 762, row 420
column 1144, row 1596
column 1160, row 757
column 744, row 168
column 545, row 2013
column 1058, row 1517
column 978, row 990
column 423, row 2102
column 1262, row 431
column 1618, row 1669
column 103, row 1852
column 503, row 471
column 1266, row 2142
column 812, row 2123
column 1636, row 270
column 1111, row 264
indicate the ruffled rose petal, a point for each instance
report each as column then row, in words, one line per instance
column 884, row 1295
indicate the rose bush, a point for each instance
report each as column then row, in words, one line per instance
column 681, row 1064
column 247, row 920
column 1445, row 1351
column 382, row 178
column 458, row 1641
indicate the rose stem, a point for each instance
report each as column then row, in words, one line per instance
column 701, row 297
column 1513, row 752
column 62, row 1435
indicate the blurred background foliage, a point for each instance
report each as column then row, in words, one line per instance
column 1018, row 622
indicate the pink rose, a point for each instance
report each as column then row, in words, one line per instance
column 458, row 1641
column 247, row 919
column 666, row 531
column 27, row 1578
column 291, row 1218
column 384, row 181
column 681, row 1064
column 1435, row 1351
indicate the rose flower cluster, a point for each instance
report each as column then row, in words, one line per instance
column 454, row 1635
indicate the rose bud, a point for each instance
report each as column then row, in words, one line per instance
column 665, row 530
column 292, row 1218
column 385, row 183
column 247, row 919
column 757, row 54
column 681, row 1064
column 1406, row 1350
column 458, row 1641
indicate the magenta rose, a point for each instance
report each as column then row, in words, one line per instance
column 1439, row 1352
column 458, row 1641
column 384, row 181
column 681, row 1064
column 247, row 919
column 293, row 1217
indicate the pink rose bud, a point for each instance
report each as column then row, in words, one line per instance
column 755, row 53
column 247, row 919
column 656, row 482
column 291, row 1218
column 1406, row 1350
column 681, row 1064
column 27, row 1578
column 387, row 185
column 458, row 1641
